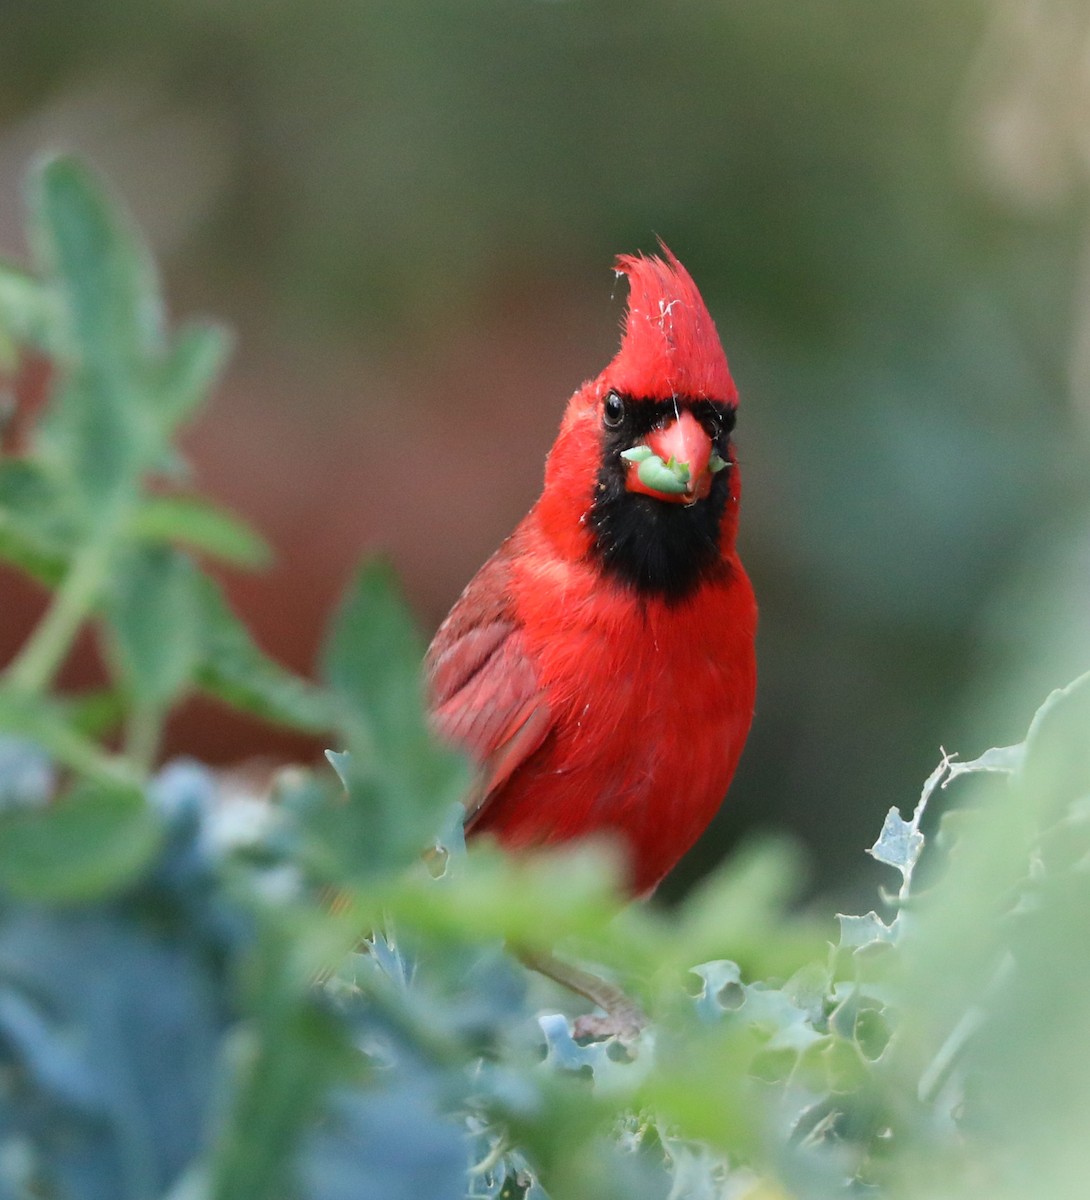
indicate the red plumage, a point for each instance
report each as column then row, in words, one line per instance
column 670, row 346
column 600, row 666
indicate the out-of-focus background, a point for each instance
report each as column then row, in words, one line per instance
column 408, row 215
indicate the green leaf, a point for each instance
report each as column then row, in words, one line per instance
column 899, row 844
column 201, row 525
column 372, row 659
column 714, row 1064
column 110, row 327
column 35, row 534
column 90, row 844
column 1057, row 750
column 105, row 278
column 401, row 783
column 867, row 930
column 531, row 902
column 26, row 554
column 95, row 713
column 1000, row 760
column 341, row 762
column 190, row 368
column 731, row 913
column 89, row 431
column 154, row 617
column 235, row 670
column 51, row 725
column 27, row 310
column 286, row 1057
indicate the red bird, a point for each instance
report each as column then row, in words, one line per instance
column 600, row 666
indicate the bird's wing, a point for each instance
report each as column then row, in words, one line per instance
column 484, row 690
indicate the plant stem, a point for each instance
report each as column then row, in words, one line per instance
column 142, row 733
column 33, row 669
column 41, row 723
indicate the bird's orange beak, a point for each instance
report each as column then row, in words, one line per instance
column 673, row 463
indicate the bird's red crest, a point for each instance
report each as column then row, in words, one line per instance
column 670, row 346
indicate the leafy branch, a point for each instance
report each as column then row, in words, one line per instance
column 79, row 511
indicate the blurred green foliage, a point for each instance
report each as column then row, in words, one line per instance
column 207, row 992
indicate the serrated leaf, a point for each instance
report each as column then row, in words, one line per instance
column 153, row 614
column 1002, row 760
column 777, row 1016
column 808, row 988
column 857, row 932
column 233, row 668
column 722, row 989
column 201, row 525
column 596, row 1059
column 842, row 1068
column 92, row 843
column 899, row 844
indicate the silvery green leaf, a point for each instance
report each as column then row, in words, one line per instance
column 723, row 988
column 899, row 844
column 867, row 930
column 1003, row 760
column 787, row 1024
column 340, row 762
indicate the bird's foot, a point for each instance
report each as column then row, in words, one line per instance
column 625, row 1024
column 623, row 1018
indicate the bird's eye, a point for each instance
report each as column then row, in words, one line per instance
column 613, row 411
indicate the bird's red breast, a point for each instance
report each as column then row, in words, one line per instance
column 600, row 666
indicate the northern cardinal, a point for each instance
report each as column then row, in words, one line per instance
column 600, row 666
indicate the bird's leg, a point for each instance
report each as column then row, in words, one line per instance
column 624, row 1018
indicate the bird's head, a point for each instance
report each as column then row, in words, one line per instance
column 643, row 474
